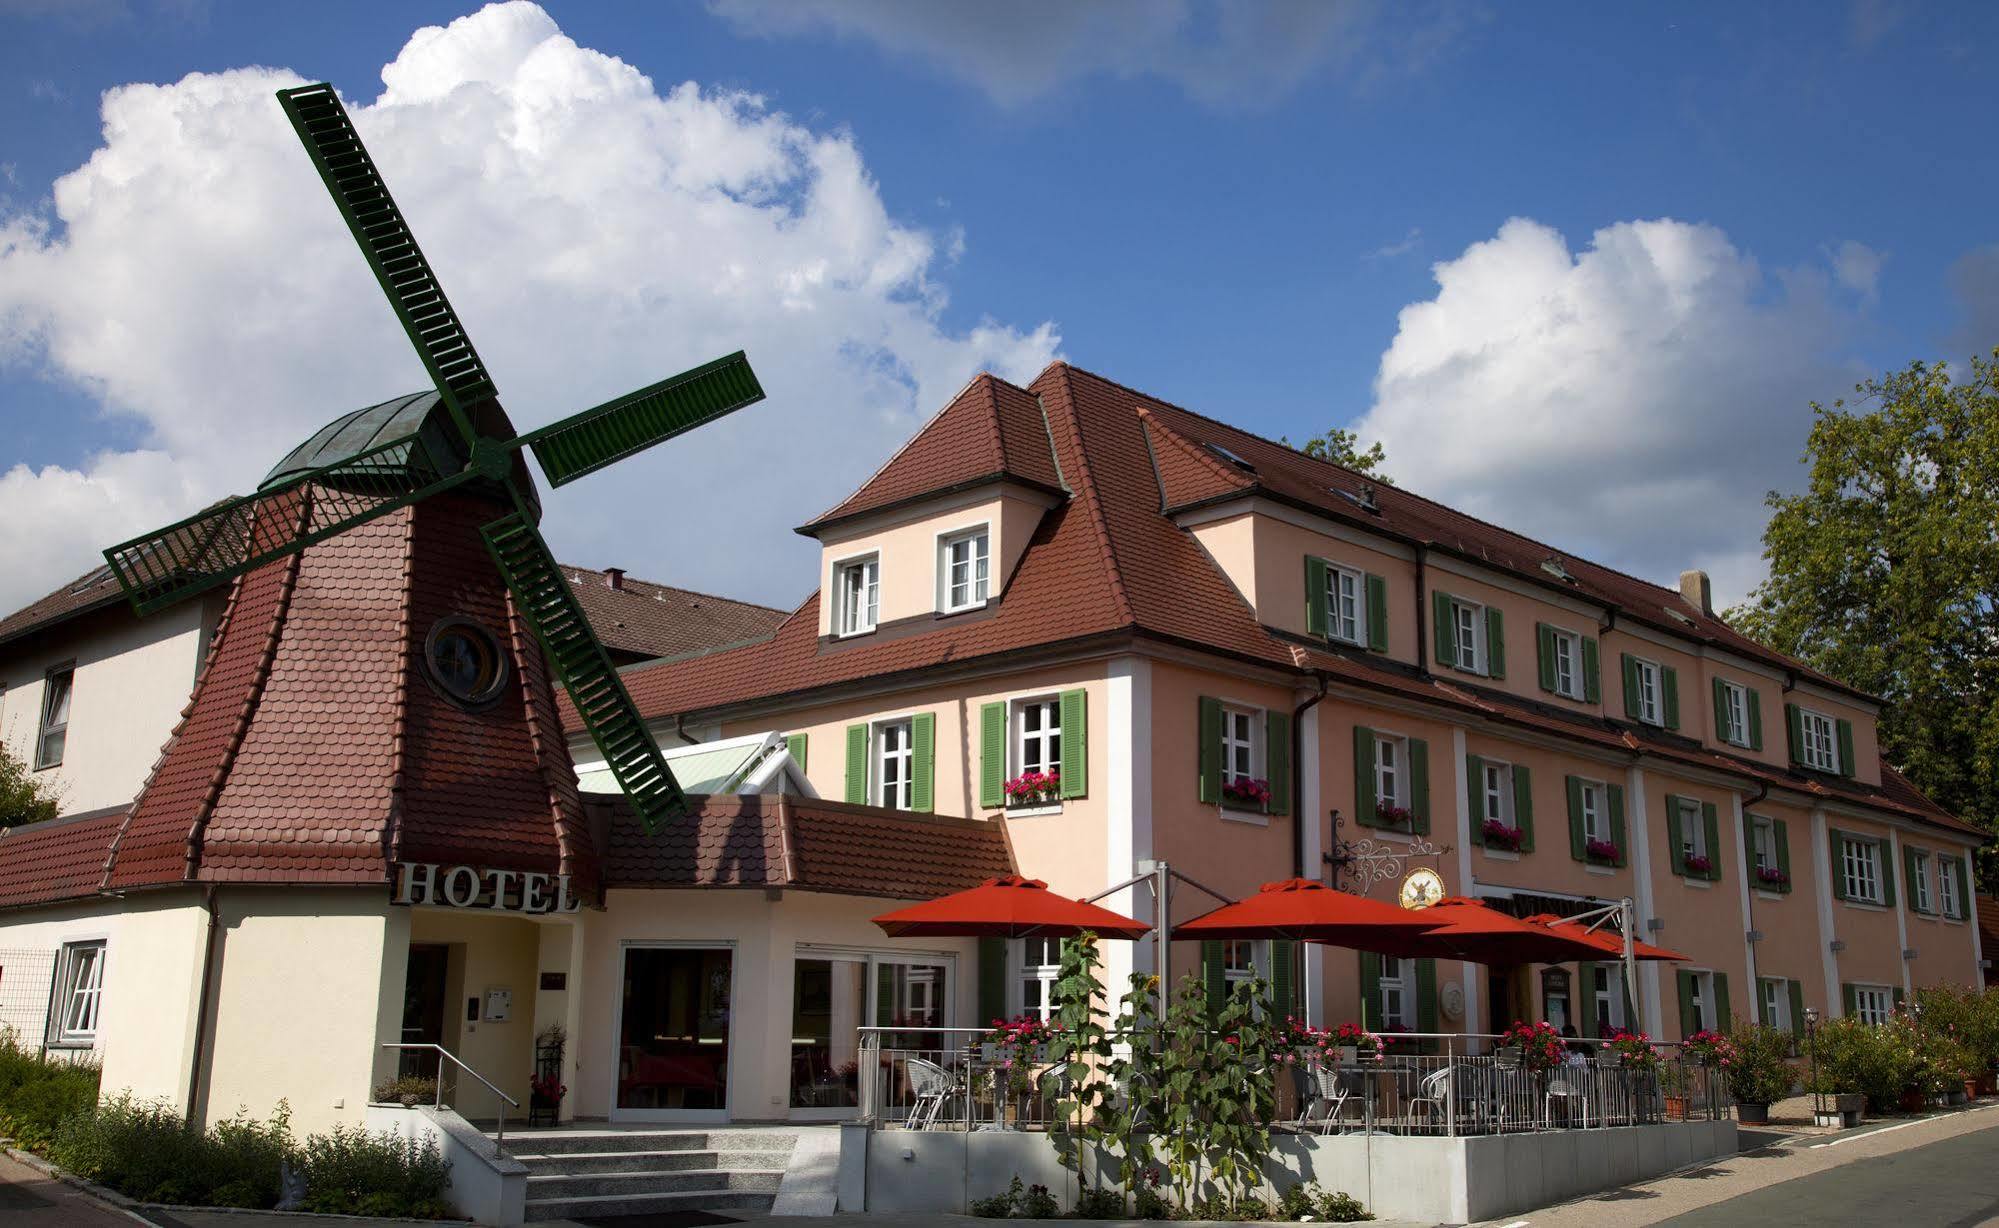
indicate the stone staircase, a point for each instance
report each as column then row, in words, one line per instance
column 583, row 1173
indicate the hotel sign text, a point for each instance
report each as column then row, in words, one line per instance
column 523, row 891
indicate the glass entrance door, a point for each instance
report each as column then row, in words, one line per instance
column 423, row 1009
column 673, row 1033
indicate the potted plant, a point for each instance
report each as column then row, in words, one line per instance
column 1386, row 815
column 1699, row 864
column 1541, row 1045
column 545, row 1093
column 1498, row 835
column 1772, row 877
column 1635, row 1051
column 1246, row 792
column 1758, row 1071
column 1032, row 789
column 1603, row 852
column 1673, row 1083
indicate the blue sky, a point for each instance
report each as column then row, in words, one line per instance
column 1246, row 219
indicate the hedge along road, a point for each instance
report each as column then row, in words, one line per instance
column 1878, row 1175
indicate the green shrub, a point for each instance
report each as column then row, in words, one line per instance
column 146, row 1150
column 1341, row 1207
column 1309, row 1201
column 37, row 1092
column 1100, row 1203
column 999, row 1206
column 1851, row 1056
column 1149, row 1203
column 1039, row 1203
column 407, row 1090
column 351, row 1168
column 1760, row 1071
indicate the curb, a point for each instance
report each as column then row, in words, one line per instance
column 109, row 1197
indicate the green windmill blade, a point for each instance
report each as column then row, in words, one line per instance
column 545, row 599
column 586, row 442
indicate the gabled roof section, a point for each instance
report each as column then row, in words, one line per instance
column 992, row 431
column 61, row 859
column 643, row 619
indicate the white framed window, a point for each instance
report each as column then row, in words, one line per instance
column 1651, row 703
column 1820, row 735
column 1242, row 959
column 1693, row 829
column 1391, row 771
column 963, row 565
column 1873, row 1003
column 1346, row 604
column 1468, row 635
column 57, row 686
column 1763, row 843
column 894, row 763
column 1700, row 997
column 1947, row 896
column 1037, row 735
column 79, row 990
column 1496, row 792
column 1919, row 890
column 1860, row 862
column 1776, row 1003
column 1606, row 997
column 1566, row 650
column 1395, row 990
column 857, row 594
column 1242, row 749
column 1040, row 971
column 1735, row 714
column 1596, row 816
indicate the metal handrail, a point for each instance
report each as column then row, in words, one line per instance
column 500, row 1133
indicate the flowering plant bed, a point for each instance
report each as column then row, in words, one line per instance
column 1386, row 815
column 1541, row 1046
column 1708, row 1048
column 1604, row 851
column 1033, row 788
column 1771, row 876
column 1246, row 791
column 1325, row 1043
column 1497, row 835
column 1634, row 1050
column 1698, row 863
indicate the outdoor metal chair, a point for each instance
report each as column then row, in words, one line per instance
column 1571, row 1097
column 1329, row 1094
column 1507, row 1072
column 930, row 1086
column 1434, row 1095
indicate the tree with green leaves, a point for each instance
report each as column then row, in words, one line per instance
column 1884, row 572
column 24, row 796
column 1342, row 447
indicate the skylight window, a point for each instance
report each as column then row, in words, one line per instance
column 1230, row 457
column 1363, row 500
column 1553, row 566
column 1685, row 618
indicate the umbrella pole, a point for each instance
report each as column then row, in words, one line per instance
column 1631, row 962
column 1162, row 951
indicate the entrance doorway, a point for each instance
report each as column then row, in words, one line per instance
column 673, row 1033
column 424, row 1007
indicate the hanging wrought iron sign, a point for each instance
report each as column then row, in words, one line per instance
column 1359, row 864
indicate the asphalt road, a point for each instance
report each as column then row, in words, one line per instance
column 30, row 1200
column 1947, row 1184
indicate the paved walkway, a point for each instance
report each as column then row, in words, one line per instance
column 29, row 1199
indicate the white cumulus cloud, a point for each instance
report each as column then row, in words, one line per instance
column 596, row 232
column 1631, row 402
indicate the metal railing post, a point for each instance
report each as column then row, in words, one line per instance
column 1450, row 1086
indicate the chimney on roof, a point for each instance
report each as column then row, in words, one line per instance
column 614, row 577
column 1697, row 592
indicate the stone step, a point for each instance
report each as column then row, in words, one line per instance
column 649, row 1161
column 592, row 1185
column 603, row 1205
column 567, row 1142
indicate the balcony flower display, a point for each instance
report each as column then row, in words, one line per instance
column 1540, row 1044
column 1697, row 863
column 1771, row 876
column 1500, row 836
column 1246, row 791
column 1634, row 1050
column 1389, row 815
column 1708, row 1048
column 1033, row 788
column 1012, row 1048
column 1602, row 850
column 1303, row 1040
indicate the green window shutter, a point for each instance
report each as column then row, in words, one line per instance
column 1419, row 785
column 1845, row 729
column 1370, row 990
column 857, row 763
column 1720, row 710
column 1495, row 642
column 1210, row 756
column 992, row 979
column 1475, row 790
column 1283, row 1000
column 1075, row 743
column 1909, row 877
column 1443, row 634
column 1363, row 777
column 1377, row 613
column 1592, row 672
column 1887, row 874
column 1277, row 759
column 992, row 755
column 1676, row 849
column 1523, row 806
column 1849, row 1000
column 1780, row 836
column 1724, row 1015
column 1544, row 656
column 1838, row 866
column 923, row 762
column 1756, row 725
column 1669, row 691
column 1711, row 822
column 1896, row 994
column 1426, row 995
column 1965, row 904
column 1794, row 724
column 1578, row 839
column 1214, row 976
column 795, row 744
column 1797, row 990
column 1690, row 1020
column 1614, row 794
column 1585, row 1000
column 1316, row 583
column 1630, row 664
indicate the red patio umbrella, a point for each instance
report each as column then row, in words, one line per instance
column 1608, row 942
column 1007, row 907
column 1308, row 911
column 1475, row 932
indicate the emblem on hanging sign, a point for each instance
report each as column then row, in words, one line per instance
column 1421, row 889
column 482, row 887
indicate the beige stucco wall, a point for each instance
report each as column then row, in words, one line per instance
column 1873, row 953
column 1943, row 946
column 486, row 952
column 1264, row 557
column 133, row 676
column 908, row 549
column 1789, row 921
column 1866, row 734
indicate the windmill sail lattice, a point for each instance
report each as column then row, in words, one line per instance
column 471, row 445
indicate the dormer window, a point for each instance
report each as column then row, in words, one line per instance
column 857, row 590
column 963, row 565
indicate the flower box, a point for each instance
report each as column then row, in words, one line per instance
column 1773, row 878
column 1603, row 851
column 1399, row 817
column 1246, row 793
column 1498, row 835
column 1698, row 863
column 1033, row 789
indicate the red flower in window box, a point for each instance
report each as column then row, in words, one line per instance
column 1771, row 876
column 1697, row 863
column 1032, row 788
column 1246, row 791
column 1394, row 816
column 1602, row 850
column 1500, row 836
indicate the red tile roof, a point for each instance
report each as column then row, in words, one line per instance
column 640, row 619
column 805, row 844
column 62, row 859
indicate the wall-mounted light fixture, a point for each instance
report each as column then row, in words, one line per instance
column 1836, row 945
column 1754, row 935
